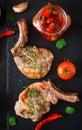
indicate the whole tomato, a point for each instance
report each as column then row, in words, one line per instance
column 66, row 70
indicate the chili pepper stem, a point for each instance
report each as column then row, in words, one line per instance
column 7, row 33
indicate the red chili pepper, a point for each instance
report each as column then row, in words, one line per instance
column 51, row 27
column 51, row 19
column 61, row 19
column 48, row 119
column 7, row 33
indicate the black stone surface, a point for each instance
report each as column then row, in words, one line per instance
column 9, row 74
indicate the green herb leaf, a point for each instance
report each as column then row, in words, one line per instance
column 12, row 121
column 10, row 17
column 33, row 93
column 70, row 110
column 20, row 82
column 61, row 43
column 33, row 54
column 37, row 67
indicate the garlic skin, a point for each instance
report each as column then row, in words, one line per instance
column 19, row 8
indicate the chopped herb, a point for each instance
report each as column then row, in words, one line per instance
column 65, row 58
column 35, row 103
column 33, row 54
column 60, row 85
column 61, row 43
column 28, row 56
column 10, row 17
column 32, row 60
column 70, row 110
column 12, row 121
column 30, row 52
column 20, row 82
column 37, row 67
column 33, row 93
column 30, row 102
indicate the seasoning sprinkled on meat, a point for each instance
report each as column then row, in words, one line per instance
column 33, row 62
column 36, row 99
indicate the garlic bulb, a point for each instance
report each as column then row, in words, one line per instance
column 19, row 8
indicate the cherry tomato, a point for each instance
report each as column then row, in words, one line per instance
column 66, row 70
column 47, row 12
column 51, row 19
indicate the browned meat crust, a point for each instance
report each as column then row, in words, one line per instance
column 33, row 62
column 36, row 99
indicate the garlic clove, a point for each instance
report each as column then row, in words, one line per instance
column 19, row 8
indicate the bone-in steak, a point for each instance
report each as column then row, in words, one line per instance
column 36, row 99
column 33, row 62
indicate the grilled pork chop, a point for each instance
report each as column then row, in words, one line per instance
column 36, row 99
column 33, row 62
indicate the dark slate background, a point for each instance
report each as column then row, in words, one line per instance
column 9, row 74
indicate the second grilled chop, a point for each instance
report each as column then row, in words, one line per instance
column 36, row 99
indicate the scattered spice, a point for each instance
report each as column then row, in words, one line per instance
column 10, row 17
column 7, row 33
column 70, row 110
column 12, row 121
column 48, row 119
column 61, row 43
